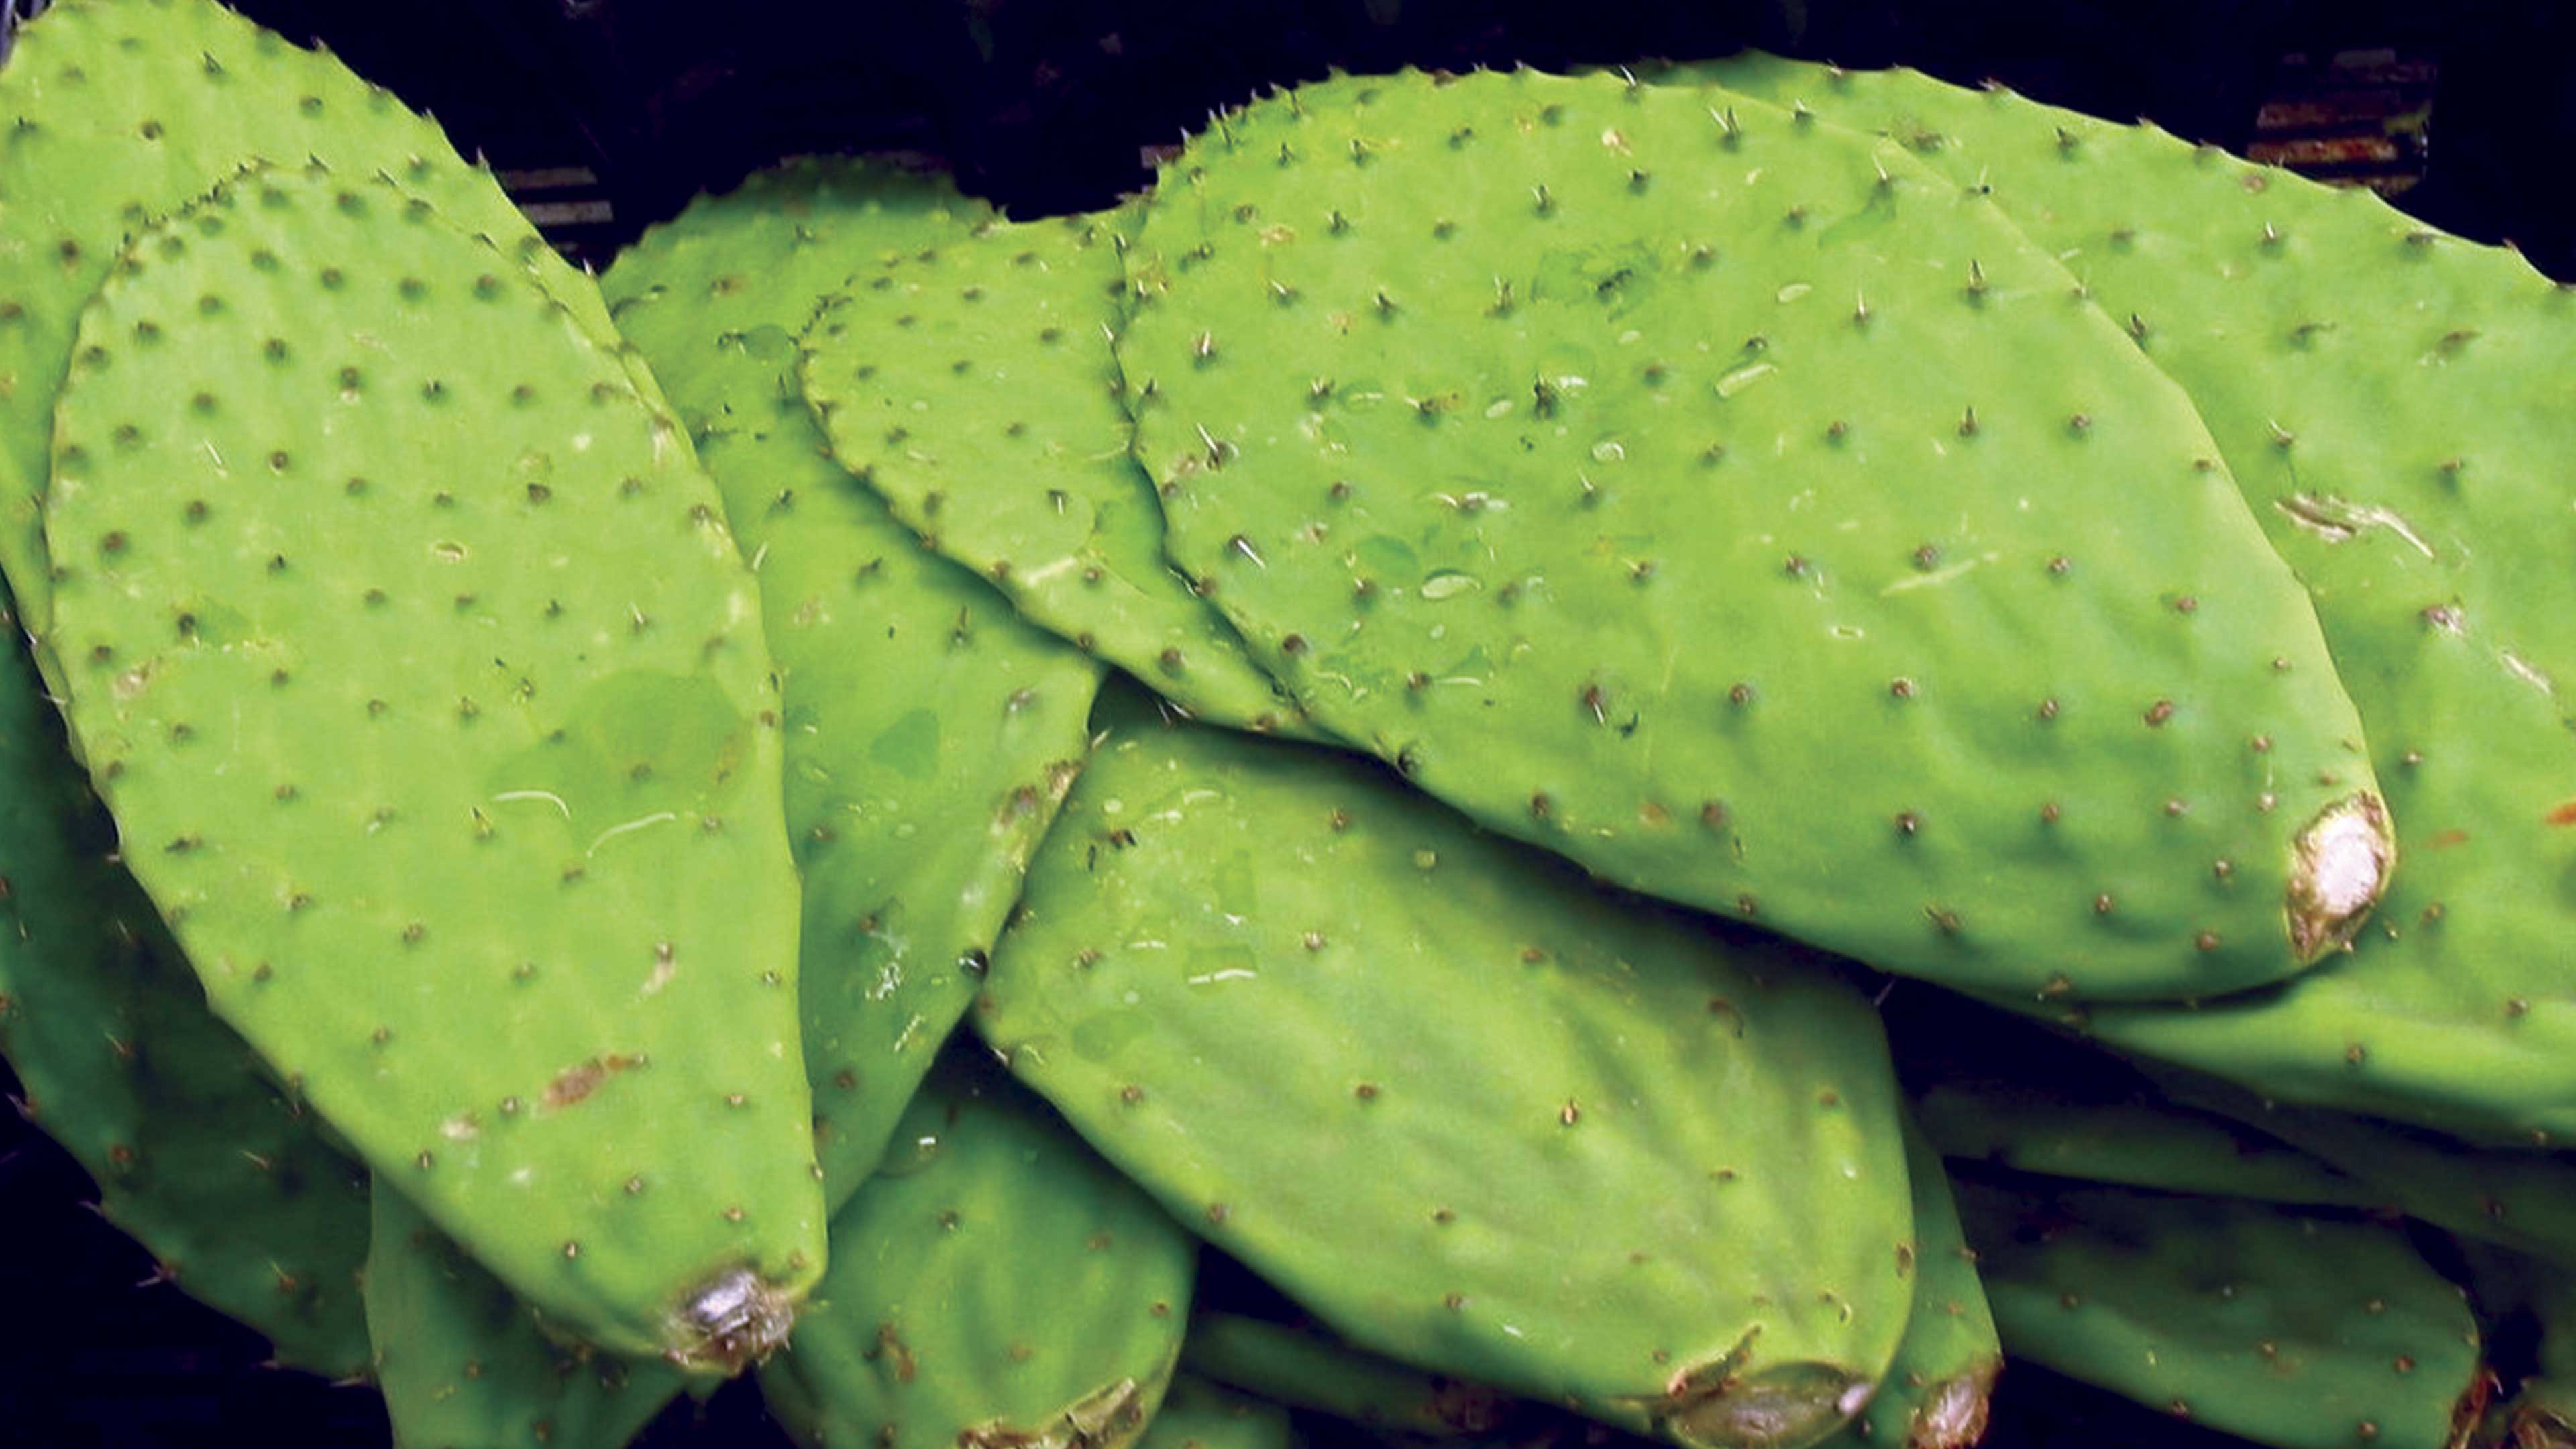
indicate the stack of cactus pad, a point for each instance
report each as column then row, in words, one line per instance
column 1532, row 759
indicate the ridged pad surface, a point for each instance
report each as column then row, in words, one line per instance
column 2301, row 1332
column 1307, row 1368
column 2397, row 405
column 931, row 733
column 1470, row 1111
column 995, row 1286
column 1729, row 505
column 1201, row 1415
column 226, row 1182
column 972, row 384
column 1936, row 1394
column 121, row 112
column 464, row 1365
column 430, row 698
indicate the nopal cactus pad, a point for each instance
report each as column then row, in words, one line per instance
column 2522, row 1200
column 1638, row 1168
column 2298, row 1331
column 2135, row 1142
column 464, row 1365
column 1793, row 546
column 1936, row 1394
column 1307, row 1368
column 995, row 1286
column 973, row 386
column 431, row 703
column 2394, row 403
column 930, row 732
column 121, row 112
column 221, row 1177
column 1198, row 1414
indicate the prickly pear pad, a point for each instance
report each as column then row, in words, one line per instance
column 2395, row 404
column 1936, row 1393
column 2302, row 1332
column 1470, row 1111
column 995, row 1286
column 1726, row 504
column 1201, row 1415
column 973, row 386
column 1308, row 1369
column 123, row 111
column 431, row 702
column 2522, row 1200
column 195, row 1152
column 931, row 733
column 463, row 1364
column 2136, row 1143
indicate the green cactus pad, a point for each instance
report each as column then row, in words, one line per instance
column 465, row 1366
column 931, row 734
column 2136, row 1142
column 1730, row 505
column 2300, row 1332
column 430, row 700
column 972, row 385
column 1197, row 1414
column 1635, row 1166
column 995, row 1286
column 122, row 112
column 2524, row 1201
column 1306, row 1368
column 1936, row 1395
column 2396, row 405
column 196, row 1153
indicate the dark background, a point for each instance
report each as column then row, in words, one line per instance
column 1043, row 105
column 638, row 105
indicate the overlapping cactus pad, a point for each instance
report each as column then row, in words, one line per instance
column 996, row 1285
column 1938, row 1391
column 2293, row 1330
column 223, row 1177
column 463, row 1362
column 972, row 385
column 1733, row 507
column 560, row 843
column 444, row 735
column 119, row 112
column 2397, row 406
column 1475, row 1113
column 930, row 734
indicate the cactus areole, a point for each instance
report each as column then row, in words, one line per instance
column 2342, row 865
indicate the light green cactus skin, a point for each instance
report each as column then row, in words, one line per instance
column 1647, row 519
column 464, row 1365
column 1309, row 1369
column 973, row 386
column 1936, row 1394
column 1198, row 1414
column 121, row 112
column 2396, row 405
column 226, row 1182
column 1639, row 1169
column 931, row 733
column 2524, row 1201
column 476, row 844
column 995, row 1286
column 2133, row 1143
column 2297, row 1331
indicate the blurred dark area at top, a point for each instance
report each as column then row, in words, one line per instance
column 1043, row 106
